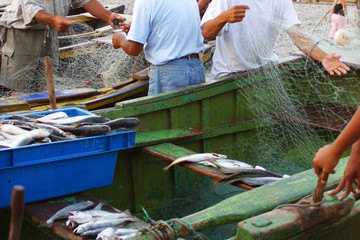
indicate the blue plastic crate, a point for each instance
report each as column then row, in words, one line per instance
column 55, row 169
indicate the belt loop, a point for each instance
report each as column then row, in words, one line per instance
column 189, row 57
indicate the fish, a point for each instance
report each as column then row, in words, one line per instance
column 50, row 128
column 63, row 213
column 123, row 123
column 28, row 137
column 102, row 223
column 12, row 129
column 93, row 232
column 89, row 215
column 230, row 166
column 85, row 130
column 53, row 116
column 123, row 233
column 106, row 234
column 248, row 173
column 255, row 181
column 77, row 119
column 196, row 158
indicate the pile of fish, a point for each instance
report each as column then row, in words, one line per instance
column 95, row 222
column 21, row 130
column 237, row 171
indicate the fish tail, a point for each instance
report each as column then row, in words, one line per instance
column 46, row 224
column 167, row 167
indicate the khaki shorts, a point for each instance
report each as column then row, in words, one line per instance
column 22, row 53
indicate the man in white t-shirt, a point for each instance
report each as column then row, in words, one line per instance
column 247, row 42
column 169, row 32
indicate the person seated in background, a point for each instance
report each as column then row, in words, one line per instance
column 28, row 32
column 328, row 157
column 339, row 18
column 170, row 32
column 246, row 34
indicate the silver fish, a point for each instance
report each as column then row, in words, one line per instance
column 12, row 129
column 77, row 119
column 256, row 181
column 63, row 213
column 53, row 116
column 81, row 217
column 106, row 234
column 230, row 166
column 93, row 232
column 196, row 158
column 28, row 137
column 125, row 231
column 102, row 223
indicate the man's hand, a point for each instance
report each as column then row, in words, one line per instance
column 119, row 20
column 62, row 24
column 235, row 13
column 117, row 39
column 332, row 64
column 325, row 161
column 351, row 174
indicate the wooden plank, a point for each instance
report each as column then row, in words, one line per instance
column 114, row 96
column 155, row 137
column 170, row 152
column 39, row 212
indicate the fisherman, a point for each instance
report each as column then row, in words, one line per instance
column 247, row 42
column 28, row 32
column 170, row 31
column 328, row 157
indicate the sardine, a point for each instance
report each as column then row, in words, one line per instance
column 63, row 213
column 196, row 158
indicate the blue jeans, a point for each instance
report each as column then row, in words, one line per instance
column 175, row 74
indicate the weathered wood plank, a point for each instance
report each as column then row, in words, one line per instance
column 155, row 137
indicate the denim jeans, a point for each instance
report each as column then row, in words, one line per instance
column 175, row 74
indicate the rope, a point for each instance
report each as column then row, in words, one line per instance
column 301, row 205
column 166, row 230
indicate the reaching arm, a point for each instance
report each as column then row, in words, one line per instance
column 327, row 157
column 130, row 47
column 234, row 14
column 98, row 10
column 330, row 62
column 61, row 23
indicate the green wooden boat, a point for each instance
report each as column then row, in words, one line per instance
column 219, row 116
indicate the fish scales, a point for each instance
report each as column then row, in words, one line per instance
column 196, row 158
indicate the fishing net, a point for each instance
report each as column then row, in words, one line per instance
column 84, row 63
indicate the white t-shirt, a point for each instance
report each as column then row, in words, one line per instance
column 170, row 29
column 248, row 44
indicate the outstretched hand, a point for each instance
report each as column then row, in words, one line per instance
column 325, row 161
column 351, row 174
column 332, row 64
